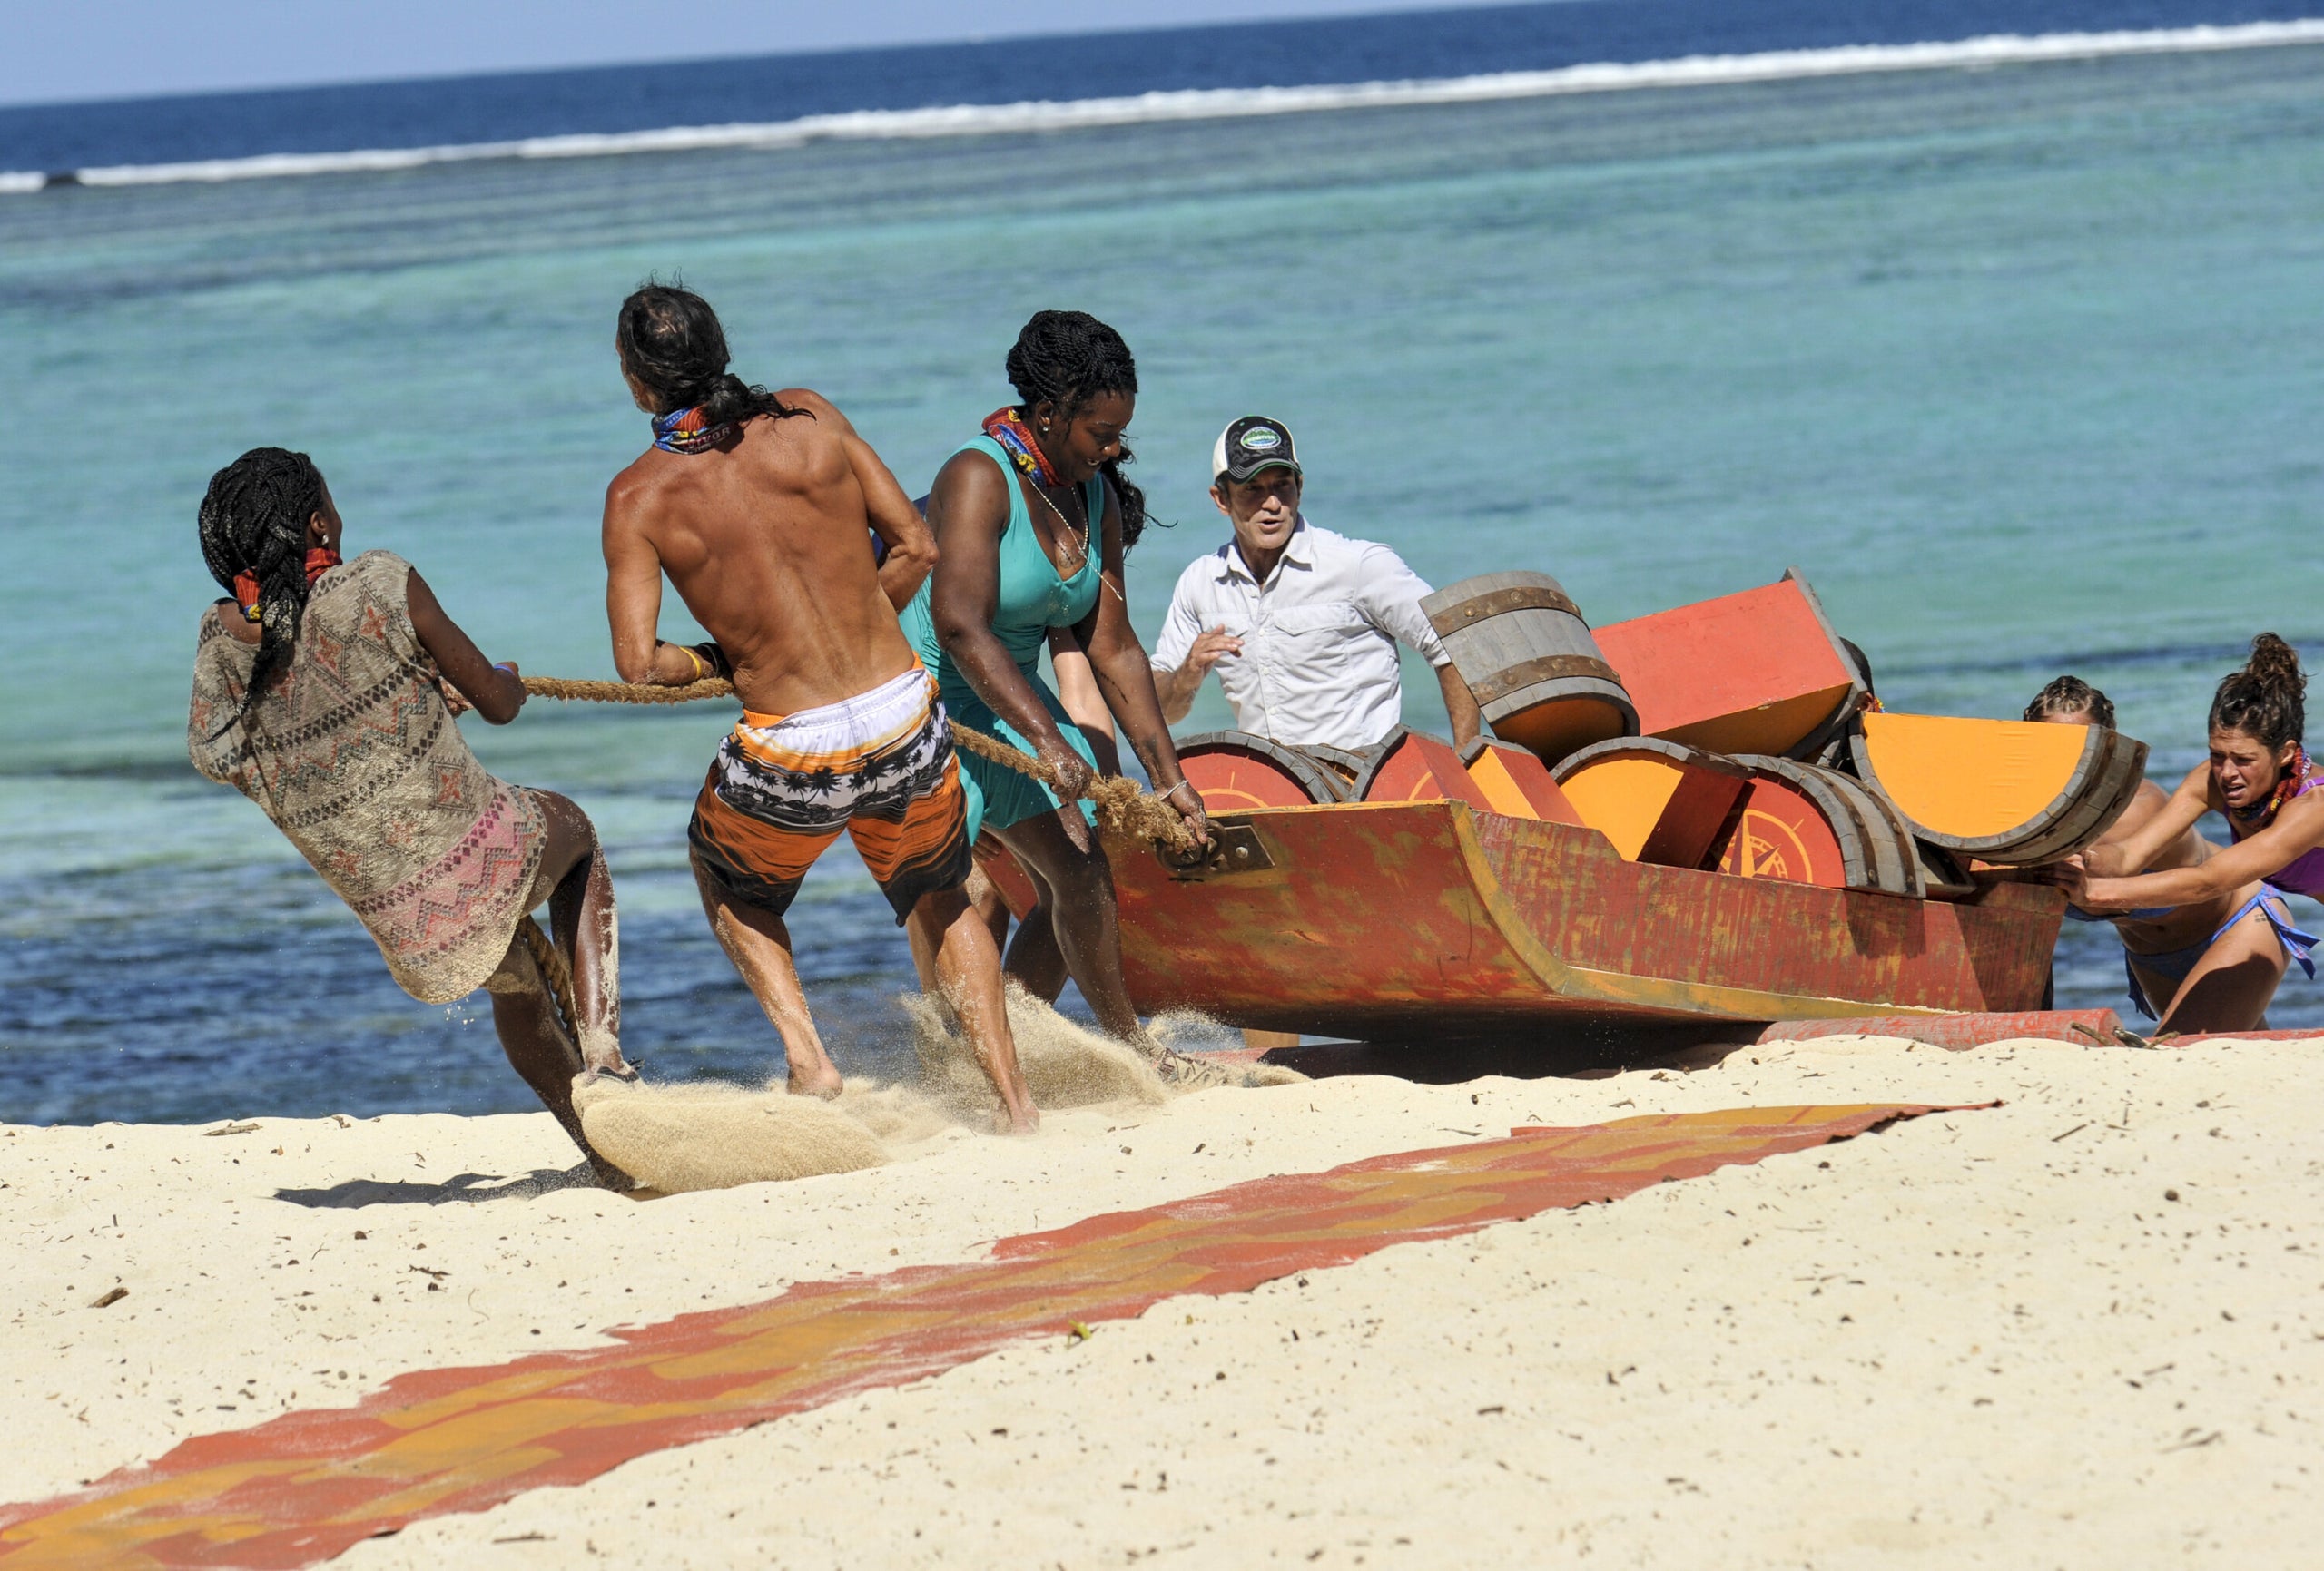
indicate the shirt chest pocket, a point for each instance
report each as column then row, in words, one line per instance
column 1318, row 627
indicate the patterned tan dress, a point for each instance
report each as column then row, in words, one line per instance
column 355, row 757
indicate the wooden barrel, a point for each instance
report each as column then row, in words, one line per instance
column 1235, row 772
column 1658, row 801
column 1876, row 844
column 2006, row 792
column 1528, row 657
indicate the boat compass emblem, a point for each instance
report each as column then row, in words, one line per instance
column 1765, row 847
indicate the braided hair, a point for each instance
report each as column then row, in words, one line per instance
column 2267, row 699
column 253, row 520
column 2072, row 695
column 670, row 340
column 1069, row 357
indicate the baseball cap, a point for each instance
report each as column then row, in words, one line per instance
column 1250, row 445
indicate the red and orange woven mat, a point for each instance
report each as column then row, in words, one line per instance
column 303, row 1488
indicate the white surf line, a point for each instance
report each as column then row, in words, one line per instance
column 1229, row 103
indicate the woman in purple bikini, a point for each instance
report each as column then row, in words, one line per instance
column 2259, row 778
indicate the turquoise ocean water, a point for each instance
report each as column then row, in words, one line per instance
column 2018, row 365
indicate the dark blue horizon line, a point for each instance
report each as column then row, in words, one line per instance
column 836, row 52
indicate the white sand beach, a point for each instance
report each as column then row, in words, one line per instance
column 1981, row 1338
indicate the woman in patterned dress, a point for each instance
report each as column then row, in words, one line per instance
column 325, row 692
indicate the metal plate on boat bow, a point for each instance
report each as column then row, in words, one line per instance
column 1235, row 848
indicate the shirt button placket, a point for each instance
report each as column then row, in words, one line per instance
column 1267, row 668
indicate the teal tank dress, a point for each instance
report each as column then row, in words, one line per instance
column 1032, row 600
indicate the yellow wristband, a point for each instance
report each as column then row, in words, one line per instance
column 700, row 670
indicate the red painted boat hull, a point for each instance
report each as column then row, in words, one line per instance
column 1414, row 921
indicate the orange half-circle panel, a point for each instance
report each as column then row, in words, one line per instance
column 1973, row 778
column 1237, row 783
column 1780, row 835
column 1622, row 798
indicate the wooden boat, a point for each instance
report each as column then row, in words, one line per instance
column 1433, row 920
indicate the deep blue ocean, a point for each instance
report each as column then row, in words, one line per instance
column 2013, row 356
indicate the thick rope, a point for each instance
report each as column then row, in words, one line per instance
column 1122, row 805
column 626, row 692
column 556, row 973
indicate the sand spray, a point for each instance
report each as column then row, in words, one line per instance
column 711, row 1135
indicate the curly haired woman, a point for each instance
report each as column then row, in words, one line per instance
column 2259, row 778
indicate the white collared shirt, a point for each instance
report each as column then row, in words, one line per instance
column 1319, row 636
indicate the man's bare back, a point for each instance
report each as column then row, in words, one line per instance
column 764, row 538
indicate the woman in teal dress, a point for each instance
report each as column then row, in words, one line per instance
column 1031, row 519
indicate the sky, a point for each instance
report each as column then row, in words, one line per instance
column 83, row 49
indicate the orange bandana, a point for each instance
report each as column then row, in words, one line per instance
column 320, row 561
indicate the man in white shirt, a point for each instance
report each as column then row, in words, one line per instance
column 1301, row 622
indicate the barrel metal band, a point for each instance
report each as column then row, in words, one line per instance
column 1548, row 668
column 1525, row 597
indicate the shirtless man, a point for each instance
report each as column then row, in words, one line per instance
column 755, row 504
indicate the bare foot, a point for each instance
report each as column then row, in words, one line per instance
column 827, row 1085
column 1008, row 1122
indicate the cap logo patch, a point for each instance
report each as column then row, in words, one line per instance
column 1260, row 440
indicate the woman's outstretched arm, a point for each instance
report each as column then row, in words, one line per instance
column 2120, row 858
column 2299, row 828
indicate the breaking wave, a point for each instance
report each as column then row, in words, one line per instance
column 1218, row 103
